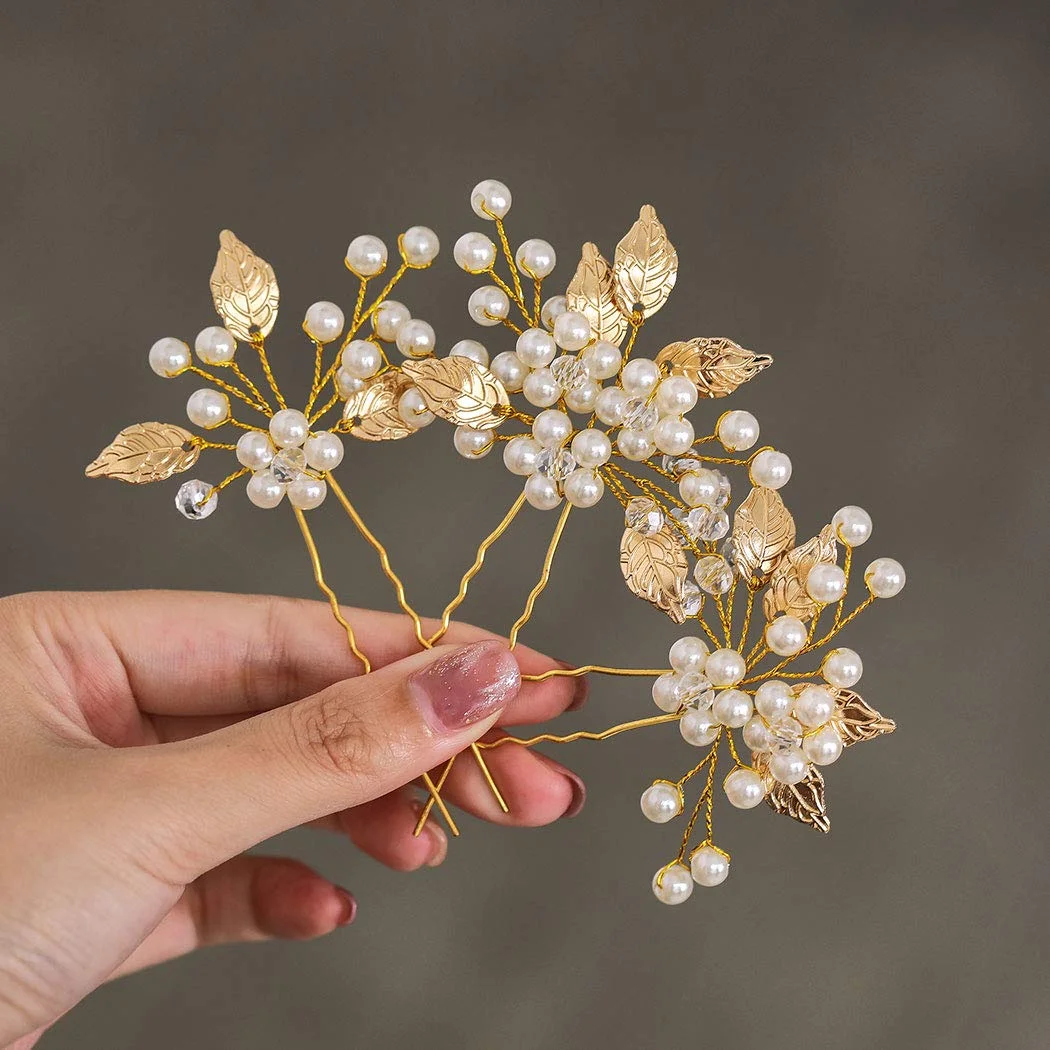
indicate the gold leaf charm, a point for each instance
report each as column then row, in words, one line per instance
column 146, row 452
column 461, row 391
column 716, row 366
column 592, row 291
column 857, row 721
column 763, row 532
column 803, row 801
column 787, row 586
column 244, row 289
column 646, row 265
column 373, row 413
column 654, row 566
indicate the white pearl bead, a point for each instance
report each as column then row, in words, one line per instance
column 788, row 766
column 471, row 443
column 756, row 734
column 347, row 384
column 591, row 448
column 770, row 470
column 688, row 654
column 725, row 667
column 474, row 252
column 675, row 395
column 541, row 388
column 709, row 866
column 415, row 338
column 698, row 727
column 774, row 700
column 324, row 451
column 602, row 359
column 552, row 309
column 361, row 358
column 490, row 199
column 583, row 488
column 635, row 445
column 786, row 635
column 535, row 258
column 572, row 331
column 885, row 577
column 169, row 357
column 699, row 487
column 472, row 349
column 744, row 788
column 814, row 705
column 254, row 450
column 366, row 256
column 509, row 370
column 552, row 428
column 665, row 692
column 823, row 747
column 842, row 668
column 541, row 492
column 661, row 802
column 674, row 435
column 673, row 885
column 323, row 322
column 264, row 490
column 582, row 398
column 639, row 377
column 419, row 246
column 289, row 428
column 306, row 492
column 488, row 305
column 412, row 408
column 825, row 583
column 388, row 317
column 535, row 348
column 215, row 346
column 208, row 408
column 852, row 525
column 520, row 455
column 610, row 405
column 732, row 707
column 737, row 430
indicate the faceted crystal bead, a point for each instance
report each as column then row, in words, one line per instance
column 692, row 598
column 638, row 414
column 643, row 515
column 715, row 526
column 192, row 500
column 288, row 465
column 713, row 574
column 729, row 553
column 694, row 690
column 785, row 735
column 679, row 465
column 725, row 489
column 570, row 372
column 691, row 520
column 555, row 463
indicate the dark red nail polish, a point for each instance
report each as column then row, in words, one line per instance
column 349, row 902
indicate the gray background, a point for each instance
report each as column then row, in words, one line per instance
column 860, row 189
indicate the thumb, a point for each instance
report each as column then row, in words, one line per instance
column 219, row 794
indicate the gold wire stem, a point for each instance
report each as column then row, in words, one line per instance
column 244, row 426
column 847, row 565
column 200, row 443
column 324, row 409
column 229, row 388
column 605, row 734
column 216, row 489
column 630, row 342
column 384, row 559
column 688, row 833
column 435, row 799
column 479, row 560
column 544, row 576
column 487, row 774
column 505, row 246
column 748, row 610
column 253, row 389
column 537, row 299
column 333, row 601
column 705, row 800
column 510, row 293
column 315, row 386
column 264, row 363
column 575, row 672
column 506, row 322
column 686, row 777
column 732, row 747
column 360, row 318
column 359, row 305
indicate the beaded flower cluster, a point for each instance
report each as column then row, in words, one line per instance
column 579, row 413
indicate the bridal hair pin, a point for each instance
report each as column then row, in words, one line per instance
column 582, row 418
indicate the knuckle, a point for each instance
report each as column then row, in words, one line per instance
column 331, row 733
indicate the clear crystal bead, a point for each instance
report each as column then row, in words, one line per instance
column 785, row 735
column 692, row 598
column 288, row 465
column 555, row 463
column 725, row 490
column 694, row 690
column 679, row 465
column 715, row 525
column 691, row 520
column 643, row 515
column 729, row 553
column 713, row 574
column 638, row 414
column 192, row 500
column 570, row 372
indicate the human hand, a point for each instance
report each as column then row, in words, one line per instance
column 148, row 739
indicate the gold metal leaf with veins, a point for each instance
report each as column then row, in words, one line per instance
column 244, row 289
column 646, row 265
column 461, row 391
column 787, row 586
column 716, row 366
column 804, row 801
column 857, row 721
column 654, row 566
column 146, row 452
column 373, row 410
column 763, row 532
column 592, row 291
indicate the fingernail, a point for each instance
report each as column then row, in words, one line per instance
column 466, row 685
column 349, row 902
column 579, row 789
